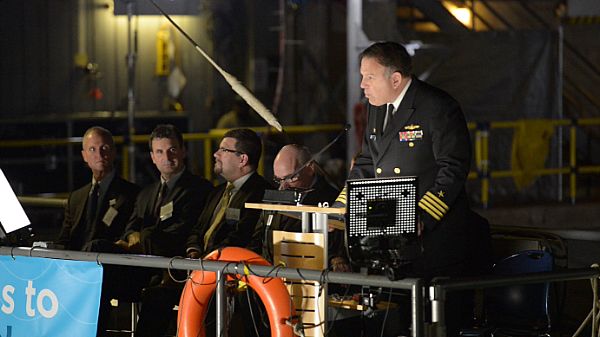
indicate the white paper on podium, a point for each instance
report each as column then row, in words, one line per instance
column 12, row 215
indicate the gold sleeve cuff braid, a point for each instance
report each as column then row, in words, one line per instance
column 342, row 197
column 434, row 206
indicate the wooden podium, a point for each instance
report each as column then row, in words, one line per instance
column 305, row 250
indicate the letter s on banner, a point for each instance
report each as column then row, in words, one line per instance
column 7, row 291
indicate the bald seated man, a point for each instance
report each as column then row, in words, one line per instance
column 294, row 169
column 97, row 213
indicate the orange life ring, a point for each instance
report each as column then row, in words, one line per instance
column 198, row 291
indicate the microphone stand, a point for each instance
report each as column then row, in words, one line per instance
column 316, row 155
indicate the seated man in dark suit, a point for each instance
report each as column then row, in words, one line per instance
column 164, row 214
column 98, row 211
column 294, row 169
column 223, row 222
column 166, row 210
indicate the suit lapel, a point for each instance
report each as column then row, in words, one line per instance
column 81, row 205
column 242, row 191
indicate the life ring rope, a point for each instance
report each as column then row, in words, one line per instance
column 201, row 285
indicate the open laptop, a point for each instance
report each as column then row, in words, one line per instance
column 12, row 215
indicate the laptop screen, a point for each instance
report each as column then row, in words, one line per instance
column 12, row 215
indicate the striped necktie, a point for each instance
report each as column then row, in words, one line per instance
column 219, row 213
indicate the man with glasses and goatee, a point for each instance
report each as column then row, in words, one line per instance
column 225, row 221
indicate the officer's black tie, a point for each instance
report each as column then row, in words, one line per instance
column 389, row 114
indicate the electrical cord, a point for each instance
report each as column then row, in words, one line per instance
column 387, row 310
column 171, row 275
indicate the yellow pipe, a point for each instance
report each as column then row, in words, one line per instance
column 573, row 162
column 261, row 162
column 125, row 163
column 481, row 149
column 485, row 183
column 43, row 202
column 541, row 172
column 478, row 159
column 589, row 169
column 208, row 159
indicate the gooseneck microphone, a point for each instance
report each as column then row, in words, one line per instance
column 316, row 155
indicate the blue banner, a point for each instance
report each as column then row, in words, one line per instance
column 47, row 297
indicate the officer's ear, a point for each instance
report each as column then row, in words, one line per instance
column 396, row 79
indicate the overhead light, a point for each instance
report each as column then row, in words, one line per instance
column 461, row 13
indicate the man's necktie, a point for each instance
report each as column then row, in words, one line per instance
column 92, row 206
column 219, row 213
column 389, row 114
column 160, row 199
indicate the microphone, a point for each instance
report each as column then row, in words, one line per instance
column 314, row 157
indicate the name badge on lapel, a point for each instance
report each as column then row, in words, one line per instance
column 232, row 214
column 166, row 211
column 110, row 215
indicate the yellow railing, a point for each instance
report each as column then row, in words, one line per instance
column 481, row 150
column 207, row 139
column 482, row 133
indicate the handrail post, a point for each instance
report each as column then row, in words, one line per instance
column 437, row 296
column 417, row 308
column 221, row 305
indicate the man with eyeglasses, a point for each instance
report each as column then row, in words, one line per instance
column 225, row 221
column 294, row 169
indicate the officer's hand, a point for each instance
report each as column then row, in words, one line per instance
column 193, row 254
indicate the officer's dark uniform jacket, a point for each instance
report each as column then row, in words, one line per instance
column 427, row 138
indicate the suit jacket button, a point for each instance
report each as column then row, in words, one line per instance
column 379, row 170
column 397, row 170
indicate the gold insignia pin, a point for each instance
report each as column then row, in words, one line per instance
column 441, row 194
column 412, row 127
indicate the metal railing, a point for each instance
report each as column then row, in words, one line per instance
column 414, row 285
column 439, row 288
column 436, row 290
